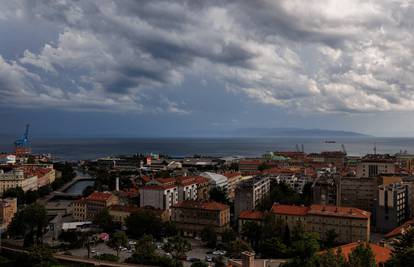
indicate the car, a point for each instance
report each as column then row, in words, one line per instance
column 216, row 252
column 124, row 249
column 93, row 251
column 209, row 259
column 132, row 242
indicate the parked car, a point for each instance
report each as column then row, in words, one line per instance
column 209, row 258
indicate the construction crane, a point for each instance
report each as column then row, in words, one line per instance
column 22, row 145
column 343, row 149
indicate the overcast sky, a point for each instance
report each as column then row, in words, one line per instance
column 155, row 67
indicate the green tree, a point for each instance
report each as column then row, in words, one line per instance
column 330, row 238
column 30, row 223
column 15, row 192
column 228, row 236
column 304, row 250
column 199, row 264
column 177, row 246
column 273, row 248
column 362, row 256
column 145, row 250
column 236, row 247
column 252, row 232
column 105, row 221
column 330, row 259
column 118, row 240
column 402, row 259
column 30, row 197
column 209, row 236
column 219, row 194
column 219, row 261
column 87, row 239
column 146, row 222
column 404, row 242
column 40, row 256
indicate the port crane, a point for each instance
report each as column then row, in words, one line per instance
column 22, row 145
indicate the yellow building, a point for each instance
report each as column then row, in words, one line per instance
column 17, row 178
column 8, row 208
column 350, row 224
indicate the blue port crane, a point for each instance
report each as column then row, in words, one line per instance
column 24, row 140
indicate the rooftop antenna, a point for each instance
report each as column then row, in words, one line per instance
column 375, row 148
column 343, row 149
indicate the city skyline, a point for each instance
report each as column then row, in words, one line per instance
column 196, row 68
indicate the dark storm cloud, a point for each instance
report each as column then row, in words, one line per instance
column 324, row 56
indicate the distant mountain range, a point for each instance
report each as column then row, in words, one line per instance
column 294, row 132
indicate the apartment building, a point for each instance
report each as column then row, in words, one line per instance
column 250, row 193
column 160, row 194
column 87, row 208
column 359, row 192
column 187, row 188
column 350, row 224
column 191, row 216
column 119, row 213
column 17, row 178
column 44, row 172
column 374, row 165
column 234, row 178
column 8, row 208
column 326, row 189
column 392, row 208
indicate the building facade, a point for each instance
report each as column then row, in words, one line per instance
column 374, row 165
column 191, row 216
column 350, row 224
column 359, row 192
column 87, row 208
column 8, row 208
column 17, row 178
column 250, row 193
column 392, row 208
column 159, row 196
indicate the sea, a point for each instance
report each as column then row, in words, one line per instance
column 74, row 149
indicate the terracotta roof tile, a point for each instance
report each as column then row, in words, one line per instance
column 289, row 210
column 207, row 205
column 251, row 215
column 400, row 229
column 382, row 254
column 99, row 196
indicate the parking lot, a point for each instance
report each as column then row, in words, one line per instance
column 197, row 251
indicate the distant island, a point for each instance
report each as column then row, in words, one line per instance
column 294, row 132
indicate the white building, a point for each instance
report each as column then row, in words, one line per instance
column 187, row 188
column 159, row 196
column 295, row 182
column 216, row 180
column 16, row 178
column 7, row 159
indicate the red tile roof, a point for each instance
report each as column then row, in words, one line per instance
column 206, row 205
column 320, row 210
column 400, row 229
column 251, row 215
column 157, row 187
column 99, row 196
column 339, row 211
column 232, row 174
column 289, row 210
column 381, row 254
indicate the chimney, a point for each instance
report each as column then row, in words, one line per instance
column 247, row 259
column 117, row 184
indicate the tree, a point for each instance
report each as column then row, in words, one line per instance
column 145, row 250
column 145, row 222
column 329, row 259
column 362, row 256
column 219, row 261
column 40, row 256
column 30, row 197
column 273, row 248
column 209, row 236
column 199, row 264
column 88, row 190
column 236, row 247
column 228, row 236
column 219, row 194
column 177, row 246
column 30, row 222
column 15, row 192
column 403, row 242
column 252, row 232
column 403, row 259
column 304, row 250
column 86, row 239
column 330, row 238
column 105, row 221
column 118, row 240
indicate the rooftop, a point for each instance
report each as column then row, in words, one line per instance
column 320, row 210
column 381, row 254
column 251, row 215
column 99, row 196
column 206, row 205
